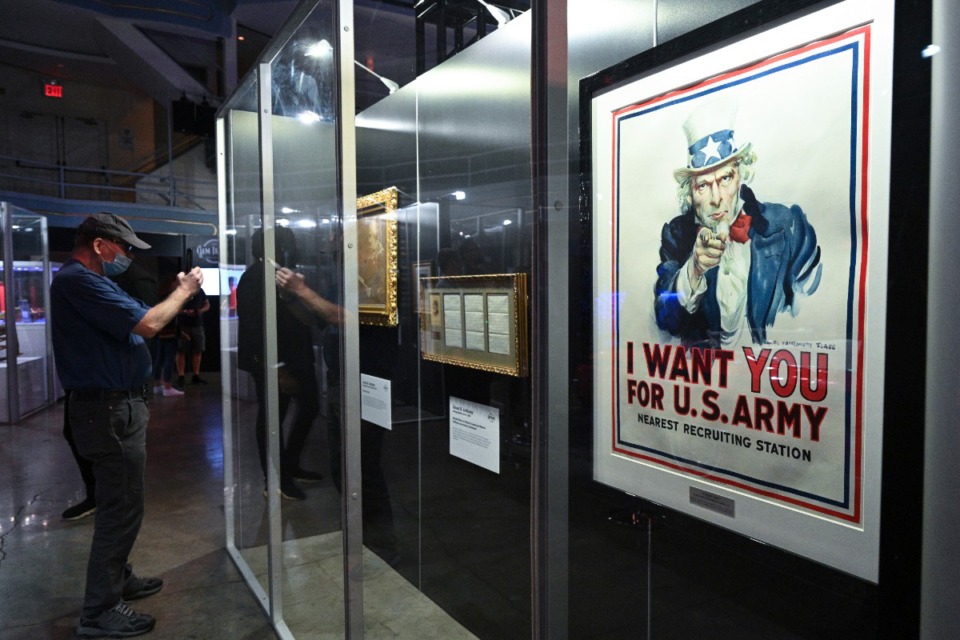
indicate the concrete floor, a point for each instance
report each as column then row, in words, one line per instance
column 43, row 558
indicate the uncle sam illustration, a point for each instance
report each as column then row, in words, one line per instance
column 729, row 263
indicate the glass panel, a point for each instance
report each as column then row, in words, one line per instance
column 242, row 200
column 285, row 282
column 307, row 251
column 24, row 288
column 453, row 528
column 446, row 535
column 608, row 568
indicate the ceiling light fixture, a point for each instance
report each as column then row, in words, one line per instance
column 323, row 48
column 308, row 117
column 501, row 16
column 388, row 83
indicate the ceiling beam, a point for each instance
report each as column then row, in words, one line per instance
column 146, row 64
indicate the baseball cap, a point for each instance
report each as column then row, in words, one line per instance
column 112, row 227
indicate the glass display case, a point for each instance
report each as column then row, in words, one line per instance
column 309, row 187
column 503, row 420
column 26, row 362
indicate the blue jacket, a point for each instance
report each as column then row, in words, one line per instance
column 784, row 259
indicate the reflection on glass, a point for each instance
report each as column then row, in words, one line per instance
column 303, row 80
column 296, row 373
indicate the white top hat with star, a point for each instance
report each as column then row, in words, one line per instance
column 710, row 140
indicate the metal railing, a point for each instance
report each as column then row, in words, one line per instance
column 111, row 185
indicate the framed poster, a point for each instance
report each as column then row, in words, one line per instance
column 476, row 321
column 738, row 204
column 377, row 257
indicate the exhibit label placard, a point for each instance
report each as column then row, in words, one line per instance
column 475, row 433
column 375, row 402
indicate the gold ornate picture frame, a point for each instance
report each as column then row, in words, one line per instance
column 476, row 321
column 377, row 257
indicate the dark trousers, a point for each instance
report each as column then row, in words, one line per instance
column 304, row 377
column 166, row 359
column 85, row 466
column 112, row 435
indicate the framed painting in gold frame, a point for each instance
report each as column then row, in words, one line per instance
column 476, row 321
column 377, row 257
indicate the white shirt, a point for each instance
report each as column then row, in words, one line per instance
column 732, row 280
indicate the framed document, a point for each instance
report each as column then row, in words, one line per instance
column 418, row 271
column 377, row 257
column 740, row 309
column 476, row 321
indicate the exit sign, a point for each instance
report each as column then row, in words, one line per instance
column 53, row 90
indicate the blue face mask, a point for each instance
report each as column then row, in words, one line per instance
column 119, row 265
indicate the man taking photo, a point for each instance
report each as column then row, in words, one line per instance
column 104, row 365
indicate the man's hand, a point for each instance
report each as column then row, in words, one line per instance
column 167, row 309
column 190, row 281
column 707, row 251
column 290, row 281
column 293, row 283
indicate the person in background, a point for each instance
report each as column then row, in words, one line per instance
column 166, row 358
column 193, row 339
column 449, row 263
column 87, row 506
column 103, row 362
column 472, row 259
column 141, row 283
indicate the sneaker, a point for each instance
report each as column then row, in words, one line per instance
column 307, row 476
column 138, row 587
column 179, row 383
column 158, row 388
column 119, row 622
column 289, row 492
column 197, row 380
column 80, row 510
column 172, row 391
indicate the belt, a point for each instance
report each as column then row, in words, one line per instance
column 88, row 395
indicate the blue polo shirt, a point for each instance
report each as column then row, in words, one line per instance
column 91, row 320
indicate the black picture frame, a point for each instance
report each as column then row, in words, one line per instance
column 895, row 599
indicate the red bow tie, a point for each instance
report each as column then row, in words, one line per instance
column 740, row 229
